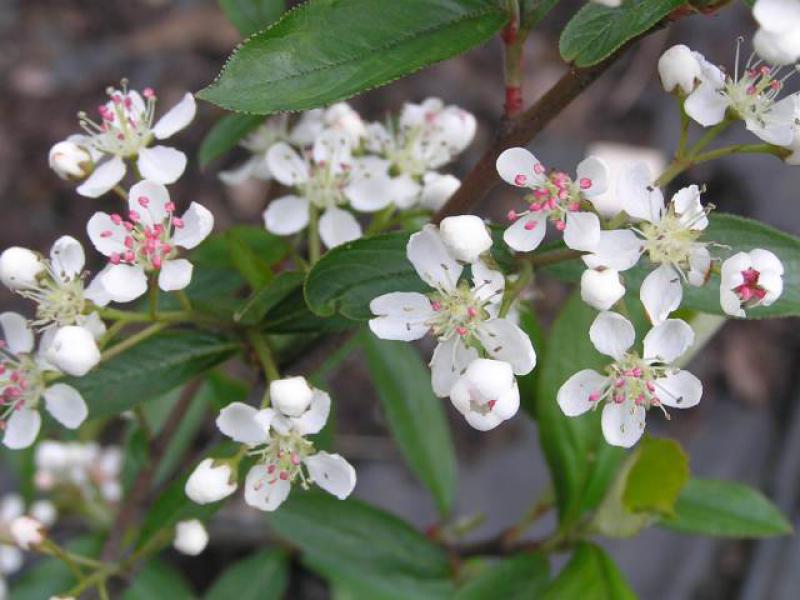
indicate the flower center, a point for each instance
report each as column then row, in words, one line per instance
column 147, row 246
column 670, row 241
column 458, row 313
column 325, row 185
column 633, row 380
column 555, row 198
column 753, row 95
column 283, row 456
column 59, row 300
column 21, row 383
column 750, row 292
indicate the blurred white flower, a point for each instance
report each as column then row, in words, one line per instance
column 191, row 537
column 777, row 40
column 211, row 481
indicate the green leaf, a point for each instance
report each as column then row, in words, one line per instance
column 225, row 135
column 529, row 384
column 354, row 536
column 250, row 16
column 158, row 580
column 533, row 11
column 292, row 315
column 214, row 251
column 268, row 297
column 328, row 50
column 518, row 578
column 726, row 509
column 51, row 577
column 348, row 277
column 253, row 268
column 597, row 31
column 415, row 416
column 581, row 463
column 589, row 575
column 149, row 369
column 659, row 472
column 262, row 576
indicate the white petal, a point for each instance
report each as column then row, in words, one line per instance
column 149, row 199
column 680, row 389
column 527, row 232
column 612, row 334
column 369, row 193
column 161, row 164
column 582, row 231
column 67, row 258
column 431, row 259
column 777, row 48
column 66, row 405
column 337, row 227
column 730, row 303
column 731, row 270
column 124, row 283
column 313, row 420
column 332, row 148
column 764, row 261
column 687, row 204
column 404, row 191
column 640, row 199
column 623, row 424
column 255, row 166
column 505, row 341
column 22, row 428
column 104, row 177
column 332, row 473
column 437, row 189
column 450, row 359
column 176, row 118
column 265, row 491
column 95, row 292
column 661, row 293
column 175, row 274
column 699, row 265
column 668, row 341
column 286, row 215
column 400, row 316
column 16, row 333
column 308, row 127
column 592, row 176
column 286, row 165
column 706, row 105
column 487, row 284
column 519, row 167
column 601, row 289
column 106, row 236
column 618, row 249
column 238, row 422
column 197, row 225
column 573, row 396
column 778, row 16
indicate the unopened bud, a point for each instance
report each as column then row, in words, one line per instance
column 466, row 236
column 191, row 537
column 291, row 396
column 678, row 68
column 74, row 351
column 19, row 268
column 210, row 482
column 70, row 161
column 27, row 532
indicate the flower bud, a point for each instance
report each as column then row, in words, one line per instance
column 210, row 482
column 27, row 532
column 19, row 268
column 70, row 161
column 191, row 537
column 74, row 351
column 291, row 396
column 44, row 511
column 466, row 236
column 601, row 288
column 679, row 68
column 486, row 394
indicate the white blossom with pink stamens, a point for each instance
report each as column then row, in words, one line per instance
column 146, row 241
column 750, row 279
column 126, row 131
column 633, row 383
column 276, row 440
column 555, row 197
column 23, row 386
column 464, row 318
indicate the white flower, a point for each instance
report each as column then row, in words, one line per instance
column 601, row 288
column 486, row 394
column 27, row 532
column 83, row 467
column 257, row 143
column 751, row 97
column 777, row 40
column 19, row 268
column 277, row 442
column 679, row 68
column 191, row 537
column 147, row 242
column 70, row 160
column 126, row 131
column 750, row 279
column 11, row 558
column 321, row 182
column 44, row 511
column 466, row 236
column 23, row 387
column 632, row 383
column 339, row 117
column 554, row 197
column 669, row 236
column 463, row 317
column 211, row 481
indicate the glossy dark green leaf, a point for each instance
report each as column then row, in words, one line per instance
column 250, row 16
column 328, row 50
column 589, row 575
column 596, row 31
column 581, row 463
column 214, row 251
column 225, row 135
column 262, row 576
column 726, row 509
column 264, row 299
column 520, row 577
column 158, row 580
column 292, row 315
column 415, row 415
column 149, row 369
column 255, row 269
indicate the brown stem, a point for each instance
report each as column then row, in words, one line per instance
column 513, row 41
column 521, row 130
column 132, row 507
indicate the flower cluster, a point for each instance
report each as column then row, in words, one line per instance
column 24, row 527
column 91, row 470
